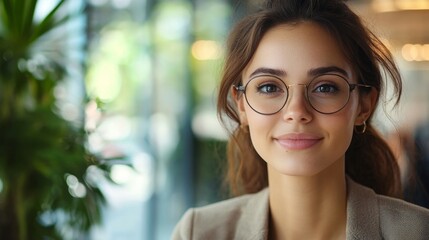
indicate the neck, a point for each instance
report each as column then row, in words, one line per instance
column 308, row 207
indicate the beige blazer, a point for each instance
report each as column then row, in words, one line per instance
column 369, row 216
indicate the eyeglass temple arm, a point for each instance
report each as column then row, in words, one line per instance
column 353, row 86
column 239, row 88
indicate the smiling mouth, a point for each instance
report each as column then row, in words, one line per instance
column 297, row 143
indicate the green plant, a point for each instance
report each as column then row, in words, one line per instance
column 45, row 191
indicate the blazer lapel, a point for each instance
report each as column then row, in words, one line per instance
column 254, row 223
column 362, row 213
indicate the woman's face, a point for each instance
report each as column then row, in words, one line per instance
column 298, row 140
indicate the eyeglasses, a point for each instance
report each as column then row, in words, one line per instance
column 327, row 94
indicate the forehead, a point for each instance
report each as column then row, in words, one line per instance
column 296, row 49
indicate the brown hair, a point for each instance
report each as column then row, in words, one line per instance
column 369, row 160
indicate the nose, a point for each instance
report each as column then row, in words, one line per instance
column 297, row 108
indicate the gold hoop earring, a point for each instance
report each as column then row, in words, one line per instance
column 244, row 128
column 361, row 128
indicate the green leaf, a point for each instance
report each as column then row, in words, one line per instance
column 17, row 7
column 28, row 15
column 6, row 9
column 48, row 23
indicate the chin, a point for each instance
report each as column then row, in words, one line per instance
column 297, row 171
column 299, row 167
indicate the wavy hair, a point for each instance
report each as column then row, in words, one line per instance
column 369, row 159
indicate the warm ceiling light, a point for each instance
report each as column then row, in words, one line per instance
column 398, row 5
column 206, row 50
column 425, row 52
column 415, row 52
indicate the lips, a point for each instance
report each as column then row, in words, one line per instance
column 298, row 141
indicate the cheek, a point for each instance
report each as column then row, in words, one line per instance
column 342, row 122
column 260, row 128
column 340, row 127
column 258, row 124
column 340, row 132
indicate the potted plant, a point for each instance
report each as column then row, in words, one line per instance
column 45, row 189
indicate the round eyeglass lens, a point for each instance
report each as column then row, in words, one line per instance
column 328, row 93
column 266, row 94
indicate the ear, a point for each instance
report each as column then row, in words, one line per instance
column 239, row 101
column 367, row 102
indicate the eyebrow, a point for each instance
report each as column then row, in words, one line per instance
column 330, row 69
column 312, row 72
column 270, row 71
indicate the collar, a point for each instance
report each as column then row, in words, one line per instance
column 362, row 214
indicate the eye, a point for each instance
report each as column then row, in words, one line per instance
column 326, row 88
column 328, row 85
column 268, row 88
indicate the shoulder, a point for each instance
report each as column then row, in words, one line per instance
column 373, row 216
column 221, row 220
column 383, row 217
column 402, row 220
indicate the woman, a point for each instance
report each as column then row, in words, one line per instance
column 301, row 82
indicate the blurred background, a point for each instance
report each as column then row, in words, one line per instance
column 108, row 126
